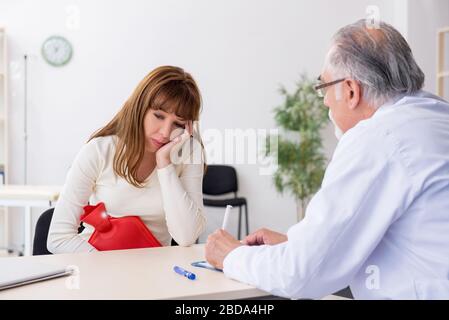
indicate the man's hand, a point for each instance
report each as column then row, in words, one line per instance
column 218, row 246
column 164, row 153
column 264, row 236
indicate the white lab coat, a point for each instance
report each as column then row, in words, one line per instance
column 379, row 223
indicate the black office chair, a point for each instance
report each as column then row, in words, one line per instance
column 41, row 233
column 220, row 180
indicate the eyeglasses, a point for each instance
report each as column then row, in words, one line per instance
column 320, row 86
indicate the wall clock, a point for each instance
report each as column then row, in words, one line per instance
column 57, row 51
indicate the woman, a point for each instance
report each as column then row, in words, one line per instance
column 128, row 165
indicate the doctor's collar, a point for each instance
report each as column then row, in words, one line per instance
column 391, row 102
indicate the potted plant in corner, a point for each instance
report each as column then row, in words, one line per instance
column 300, row 156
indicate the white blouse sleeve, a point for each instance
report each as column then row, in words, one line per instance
column 182, row 198
column 80, row 182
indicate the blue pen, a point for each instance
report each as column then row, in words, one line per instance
column 184, row 273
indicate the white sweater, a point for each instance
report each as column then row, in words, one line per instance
column 170, row 203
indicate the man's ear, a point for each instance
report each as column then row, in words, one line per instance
column 352, row 93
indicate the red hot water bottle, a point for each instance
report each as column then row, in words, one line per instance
column 117, row 233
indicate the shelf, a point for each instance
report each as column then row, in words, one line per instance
column 4, row 145
column 443, row 74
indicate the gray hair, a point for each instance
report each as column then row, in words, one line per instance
column 379, row 59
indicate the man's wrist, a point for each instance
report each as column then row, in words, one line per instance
column 229, row 257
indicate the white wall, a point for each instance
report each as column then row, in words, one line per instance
column 425, row 18
column 239, row 52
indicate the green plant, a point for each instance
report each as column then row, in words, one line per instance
column 301, row 161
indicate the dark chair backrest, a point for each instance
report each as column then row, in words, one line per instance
column 219, row 179
column 41, row 233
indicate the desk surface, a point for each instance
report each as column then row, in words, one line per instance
column 29, row 192
column 133, row 274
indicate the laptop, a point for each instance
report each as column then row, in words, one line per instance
column 14, row 272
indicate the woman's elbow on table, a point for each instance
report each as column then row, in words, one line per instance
column 185, row 238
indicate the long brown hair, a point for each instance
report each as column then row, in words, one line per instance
column 166, row 88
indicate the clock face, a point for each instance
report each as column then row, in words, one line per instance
column 57, row 51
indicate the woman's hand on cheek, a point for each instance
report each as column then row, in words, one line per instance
column 164, row 154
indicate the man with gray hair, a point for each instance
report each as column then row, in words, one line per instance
column 380, row 221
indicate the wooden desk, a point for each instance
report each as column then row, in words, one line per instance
column 133, row 274
column 27, row 196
